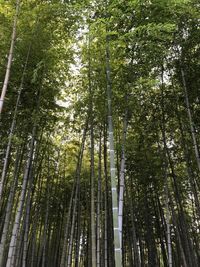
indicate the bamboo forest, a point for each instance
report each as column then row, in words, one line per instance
column 99, row 133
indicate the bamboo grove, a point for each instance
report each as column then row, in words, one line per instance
column 99, row 130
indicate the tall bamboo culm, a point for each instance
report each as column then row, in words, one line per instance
column 115, row 210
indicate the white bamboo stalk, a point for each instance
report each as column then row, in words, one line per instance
column 115, row 211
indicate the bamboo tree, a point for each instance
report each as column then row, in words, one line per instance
column 78, row 226
column 66, row 231
column 27, row 225
column 99, row 207
column 129, row 196
column 105, row 231
column 117, row 247
column 122, row 176
column 169, row 245
column 105, row 198
column 33, row 175
column 22, row 197
column 192, row 127
column 190, row 171
column 10, row 57
column 15, row 231
column 92, row 175
column 75, row 200
column 10, row 203
column 46, row 214
column 12, row 128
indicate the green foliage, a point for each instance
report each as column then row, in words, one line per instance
column 149, row 42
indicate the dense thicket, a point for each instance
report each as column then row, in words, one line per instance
column 99, row 151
